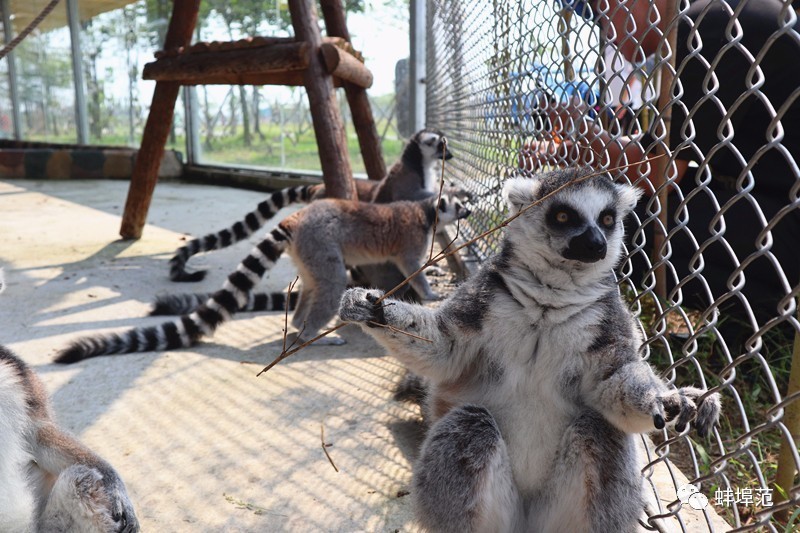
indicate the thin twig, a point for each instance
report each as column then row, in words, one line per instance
column 325, row 447
column 444, row 253
column 505, row 223
column 284, row 355
column 397, row 330
column 286, row 311
column 438, row 198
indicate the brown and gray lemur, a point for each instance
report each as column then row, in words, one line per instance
column 323, row 239
column 413, row 177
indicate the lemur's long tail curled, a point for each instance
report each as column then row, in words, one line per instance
column 186, row 330
column 239, row 231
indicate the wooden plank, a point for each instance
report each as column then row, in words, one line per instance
column 194, row 68
column 328, row 126
column 342, row 65
column 156, row 130
column 368, row 139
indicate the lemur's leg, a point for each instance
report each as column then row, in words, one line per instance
column 77, row 502
column 596, row 484
column 84, row 482
column 462, row 479
column 428, row 351
column 321, row 300
column 636, row 401
column 409, row 265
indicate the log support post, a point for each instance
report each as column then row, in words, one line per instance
column 157, row 127
column 368, row 139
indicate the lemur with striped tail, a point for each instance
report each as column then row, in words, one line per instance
column 537, row 386
column 322, row 239
column 413, row 177
column 49, row 481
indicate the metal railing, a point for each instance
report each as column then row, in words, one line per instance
column 713, row 265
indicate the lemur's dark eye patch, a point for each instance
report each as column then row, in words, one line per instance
column 562, row 215
column 607, row 218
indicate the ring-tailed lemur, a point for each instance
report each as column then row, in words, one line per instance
column 322, row 238
column 413, row 177
column 49, row 481
column 536, row 380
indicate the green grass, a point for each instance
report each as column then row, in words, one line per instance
column 300, row 155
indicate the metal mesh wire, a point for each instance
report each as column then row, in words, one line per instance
column 713, row 265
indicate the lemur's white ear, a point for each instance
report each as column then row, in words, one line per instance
column 519, row 192
column 628, row 196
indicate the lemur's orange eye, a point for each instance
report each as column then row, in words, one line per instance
column 608, row 220
column 562, row 217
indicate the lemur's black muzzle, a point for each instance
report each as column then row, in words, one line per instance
column 447, row 154
column 588, row 247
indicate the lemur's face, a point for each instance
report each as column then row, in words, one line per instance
column 433, row 146
column 580, row 230
column 580, row 224
column 451, row 209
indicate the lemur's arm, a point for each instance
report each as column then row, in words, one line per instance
column 635, row 400
column 411, row 332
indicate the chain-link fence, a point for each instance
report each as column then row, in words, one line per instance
column 713, row 269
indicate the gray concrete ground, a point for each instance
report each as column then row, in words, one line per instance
column 202, row 443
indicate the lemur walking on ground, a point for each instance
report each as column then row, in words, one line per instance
column 49, row 481
column 322, row 238
column 536, row 382
column 413, row 177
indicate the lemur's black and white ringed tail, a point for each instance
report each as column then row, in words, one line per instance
column 183, row 304
column 186, row 330
column 239, row 231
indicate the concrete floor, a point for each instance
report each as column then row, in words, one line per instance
column 201, row 442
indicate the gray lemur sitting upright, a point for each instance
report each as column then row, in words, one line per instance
column 537, row 386
column 322, row 238
column 49, row 481
column 413, row 177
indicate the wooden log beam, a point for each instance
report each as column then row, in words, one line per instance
column 343, row 65
column 368, row 139
column 328, row 126
column 293, row 78
column 159, row 121
column 194, row 68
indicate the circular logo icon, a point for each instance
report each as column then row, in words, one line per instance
column 698, row 501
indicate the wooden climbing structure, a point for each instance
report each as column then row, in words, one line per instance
column 310, row 60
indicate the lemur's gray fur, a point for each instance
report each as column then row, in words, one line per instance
column 413, row 177
column 536, row 381
column 49, row 481
column 322, row 238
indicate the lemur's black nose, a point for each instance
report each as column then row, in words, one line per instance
column 588, row 247
column 447, row 154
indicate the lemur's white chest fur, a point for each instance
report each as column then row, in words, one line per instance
column 542, row 357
